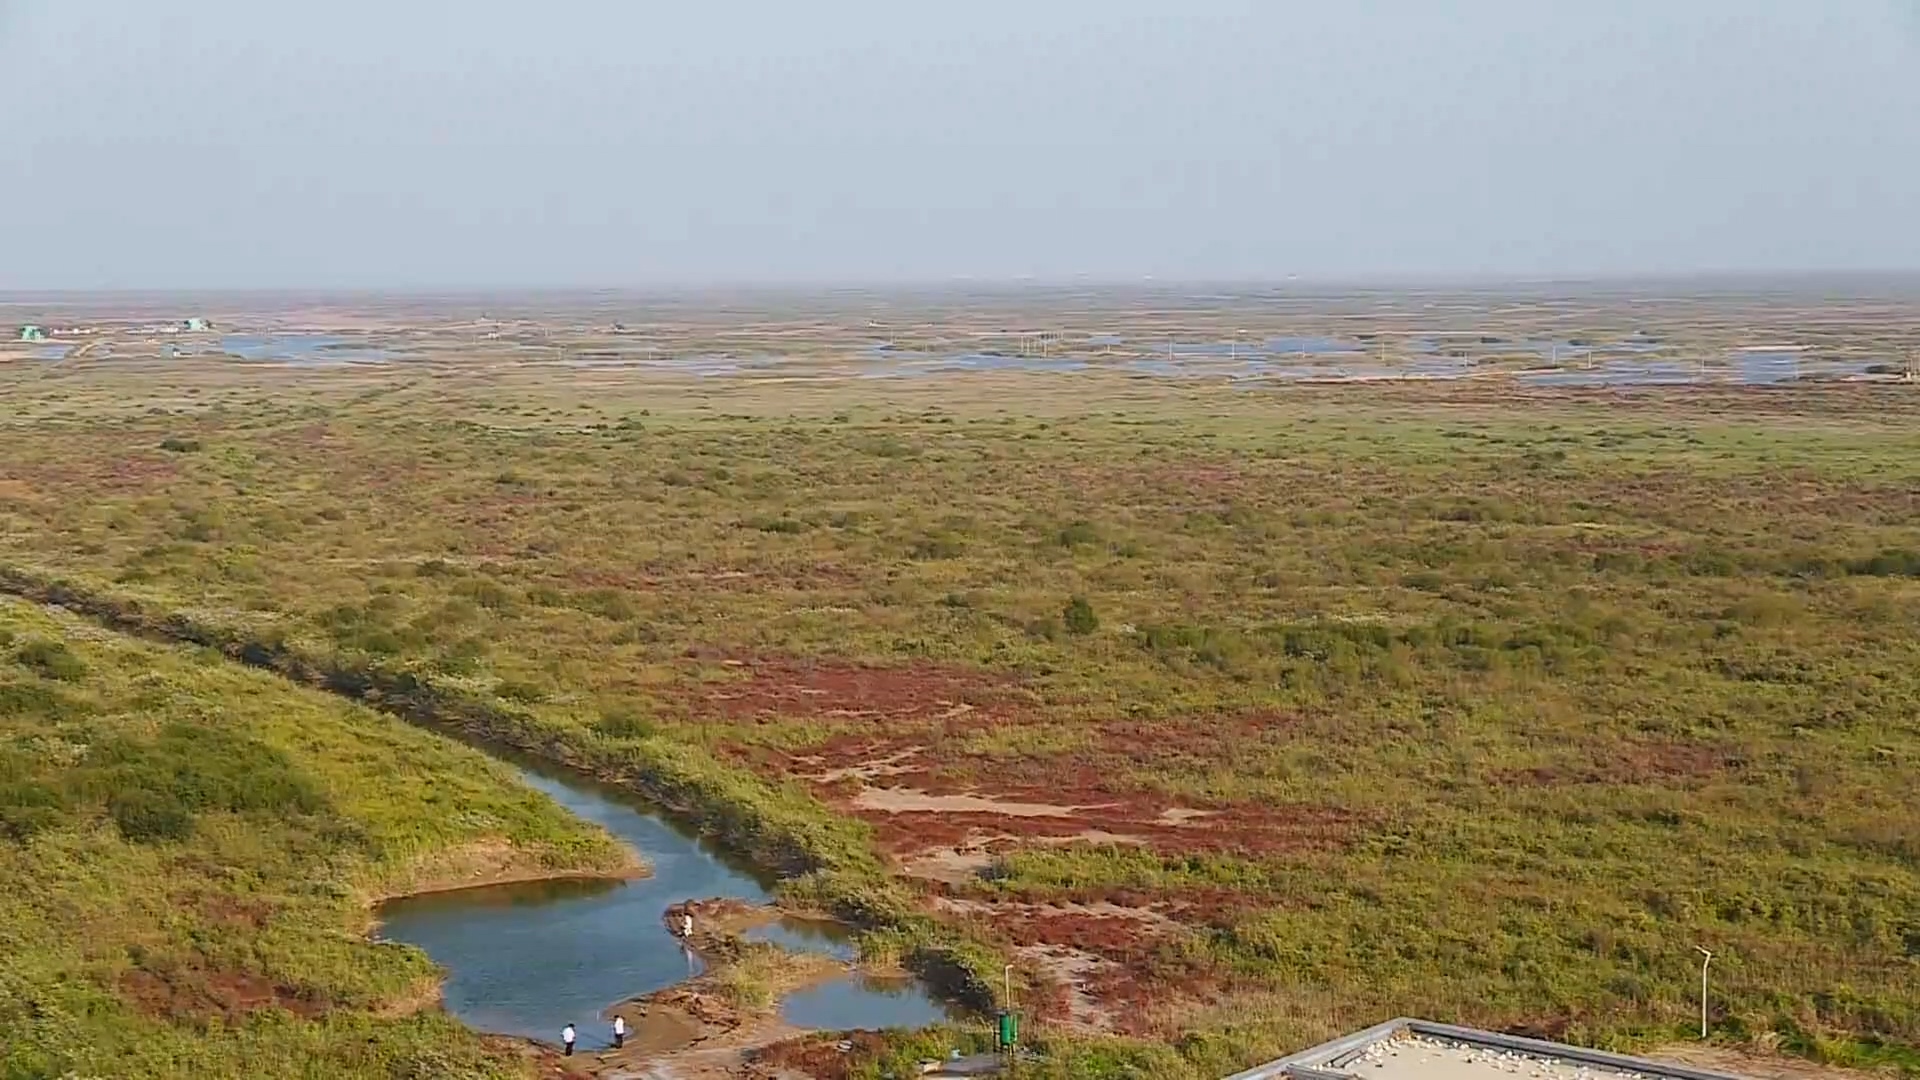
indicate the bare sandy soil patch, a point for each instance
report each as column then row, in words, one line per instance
column 1758, row 1066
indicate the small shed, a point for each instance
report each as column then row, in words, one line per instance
column 197, row 324
column 32, row 333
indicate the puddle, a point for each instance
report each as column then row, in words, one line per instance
column 1172, row 351
column 896, row 364
column 1769, row 367
column 704, row 365
column 526, row 959
column 808, row 936
column 867, row 1002
column 292, row 348
column 1748, row 368
column 1617, row 374
column 51, row 352
column 1314, row 346
column 1570, row 350
column 1267, row 369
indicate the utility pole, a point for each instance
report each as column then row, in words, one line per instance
column 1707, row 959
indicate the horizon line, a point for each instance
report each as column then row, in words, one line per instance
column 1017, row 283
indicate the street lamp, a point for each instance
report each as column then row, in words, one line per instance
column 1706, row 955
column 1009, row 1025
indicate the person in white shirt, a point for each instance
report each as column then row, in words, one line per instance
column 566, row 1039
column 619, row 1031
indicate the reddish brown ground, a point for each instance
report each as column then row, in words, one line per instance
column 821, row 1056
column 1095, row 793
column 142, row 472
column 912, row 695
column 906, row 760
column 195, row 993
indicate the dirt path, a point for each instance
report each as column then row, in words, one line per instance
column 1759, row 1066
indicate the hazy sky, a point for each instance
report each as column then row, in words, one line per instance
column 412, row 143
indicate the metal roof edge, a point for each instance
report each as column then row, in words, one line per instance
column 1581, row 1054
column 1309, row 1064
column 1275, row 1070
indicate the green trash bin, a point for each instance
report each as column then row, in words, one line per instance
column 1009, row 1030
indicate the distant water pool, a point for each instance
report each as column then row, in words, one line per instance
column 295, row 348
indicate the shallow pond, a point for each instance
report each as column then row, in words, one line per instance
column 1617, row 374
column 299, row 348
column 864, row 1001
column 526, row 959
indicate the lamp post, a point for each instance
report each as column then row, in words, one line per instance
column 1706, row 959
column 1009, row 1032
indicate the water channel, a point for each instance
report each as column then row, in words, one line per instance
column 526, row 959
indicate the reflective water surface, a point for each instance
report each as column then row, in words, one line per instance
column 527, row 959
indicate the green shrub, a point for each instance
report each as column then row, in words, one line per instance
column 1223, row 648
column 1044, row 629
column 52, row 659
column 1425, row 581
column 29, row 699
column 937, row 546
column 177, row 445
column 200, row 769
column 525, row 693
column 150, row 817
column 1078, row 534
column 488, row 594
column 623, row 722
column 27, row 808
column 1889, row 563
column 463, row 657
column 607, row 603
column 1078, row 617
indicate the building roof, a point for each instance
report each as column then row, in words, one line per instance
column 1408, row 1049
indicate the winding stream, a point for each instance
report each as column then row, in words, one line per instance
column 525, row 959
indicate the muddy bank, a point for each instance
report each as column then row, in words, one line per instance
column 486, row 864
column 724, row 1021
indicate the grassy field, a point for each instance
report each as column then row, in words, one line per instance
column 1233, row 718
column 187, row 855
